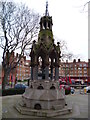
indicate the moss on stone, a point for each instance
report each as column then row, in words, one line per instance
column 46, row 32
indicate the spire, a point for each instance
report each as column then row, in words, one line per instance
column 46, row 12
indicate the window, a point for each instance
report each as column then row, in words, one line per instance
column 71, row 68
column 75, row 68
column 54, row 60
column 75, row 65
column 79, row 68
column 80, row 71
column 80, row 65
column 66, row 65
column 85, row 74
column 85, row 68
column 59, row 68
column 27, row 63
column 85, row 71
column 80, row 75
column 84, row 65
column 63, row 65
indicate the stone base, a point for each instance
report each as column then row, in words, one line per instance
column 43, row 98
column 43, row 113
column 44, row 95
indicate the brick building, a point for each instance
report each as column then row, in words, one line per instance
column 22, row 70
column 76, row 69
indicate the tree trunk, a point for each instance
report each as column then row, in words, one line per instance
column 4, row 81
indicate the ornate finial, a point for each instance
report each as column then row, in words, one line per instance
column 46, row 12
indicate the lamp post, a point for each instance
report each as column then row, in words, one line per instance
column 79, row 79
column 66, row 75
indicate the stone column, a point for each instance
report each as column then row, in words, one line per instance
column 47, row 67
column 46, row 24
column 50, row 26
column 40, row 26
column 35, row 73
column 35, row 69
column 46, row 72
column 51, row 73
column 56, row 73
column 51, row 69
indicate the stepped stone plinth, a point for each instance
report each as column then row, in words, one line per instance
column 44, row 95
column 44, row 98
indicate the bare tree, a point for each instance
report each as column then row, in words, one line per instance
column 86, row 4
column 18, row 27
column 65, row 54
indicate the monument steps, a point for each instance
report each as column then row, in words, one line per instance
column 42, row 113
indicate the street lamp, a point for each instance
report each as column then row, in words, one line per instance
column 79, row 79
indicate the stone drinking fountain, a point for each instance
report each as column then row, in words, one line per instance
column 44, row 97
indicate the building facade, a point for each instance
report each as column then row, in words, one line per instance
column 76, row 69
column 21, row 71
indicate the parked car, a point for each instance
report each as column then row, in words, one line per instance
column 22, row 86
column 87, row 89
column 67, row 89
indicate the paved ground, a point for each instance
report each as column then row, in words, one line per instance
column 80, row 106
column 0, row 107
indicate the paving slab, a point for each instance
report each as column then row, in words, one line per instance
column 80, row 107
column 0, row 107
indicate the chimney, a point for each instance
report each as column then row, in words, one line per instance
column 78, row 60
column 89, row 60
column 74, row 60
column 66, row 61
column 16, row 54
column 13, row 54
column 24, row 58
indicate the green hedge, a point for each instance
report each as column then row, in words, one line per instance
column 26, row 80
column 12, row 91
column 88, row 91
column 19, row 80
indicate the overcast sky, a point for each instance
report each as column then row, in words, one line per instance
column 70, row 22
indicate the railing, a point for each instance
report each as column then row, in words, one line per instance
column 80, row 86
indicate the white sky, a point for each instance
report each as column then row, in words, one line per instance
column 70, row 22
column 89, row 31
